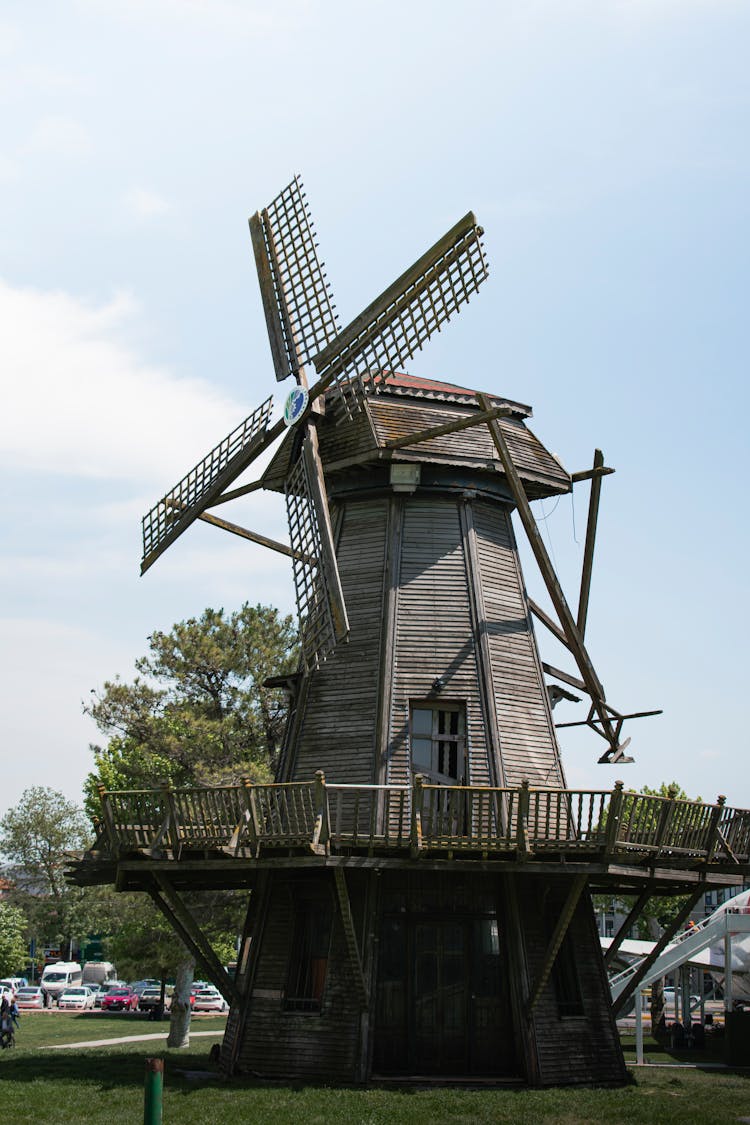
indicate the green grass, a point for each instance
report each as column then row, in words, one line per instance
column 101, row 1086
column 47, row 1029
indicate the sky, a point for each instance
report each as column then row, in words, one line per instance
column 602, row 145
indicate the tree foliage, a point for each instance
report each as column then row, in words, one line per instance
column 197, row 711
column 35, row 837
column 13, row 944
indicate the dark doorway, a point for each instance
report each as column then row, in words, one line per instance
column 442, row 999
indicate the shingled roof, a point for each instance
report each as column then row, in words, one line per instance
column 405, row 404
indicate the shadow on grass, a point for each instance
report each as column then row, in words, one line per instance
column 706, row 1058
column 106, row 1069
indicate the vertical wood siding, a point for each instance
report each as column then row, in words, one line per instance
column 280, row 1044
column 433, row 636
column 528, row 746
column 337, row 733
column 572, row 1049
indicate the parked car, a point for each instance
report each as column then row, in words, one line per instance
column 148, row 982
column 100, row 991
column 13, row 983
column 30, row 997
column 209, row 1000
column 78, row 998
column 150, row 998
column 669, row 998
column 120, row 1000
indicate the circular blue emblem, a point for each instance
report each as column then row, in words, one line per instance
column 295, row 405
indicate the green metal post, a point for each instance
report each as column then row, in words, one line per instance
column 152, row 1101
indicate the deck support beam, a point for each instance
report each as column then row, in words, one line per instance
column 561, row 928
column 347, row 922
column 252, row 943
column 635, row 912
column 661, row 945
column 172, row 907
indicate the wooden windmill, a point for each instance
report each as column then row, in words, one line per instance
column 353, row 365
column 420, row 701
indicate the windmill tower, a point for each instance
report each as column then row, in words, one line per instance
column 420, row 681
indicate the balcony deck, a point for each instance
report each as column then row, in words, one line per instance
column 225, row 828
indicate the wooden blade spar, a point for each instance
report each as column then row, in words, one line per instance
column 301, row 319
column 200, row 488
column 300, row 314
column 320, row 605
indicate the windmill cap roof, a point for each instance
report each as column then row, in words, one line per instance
column 411, row 386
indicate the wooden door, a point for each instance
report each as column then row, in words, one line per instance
column 442, row 999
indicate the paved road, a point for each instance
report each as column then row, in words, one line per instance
column 122, row 1039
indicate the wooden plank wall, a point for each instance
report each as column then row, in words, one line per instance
column 279, row 1044
column 337, row 732
column 433, row 635
column 528, row 746
column 570, row 1049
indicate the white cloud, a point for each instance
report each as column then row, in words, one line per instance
column 79, row 401
column 145, row 204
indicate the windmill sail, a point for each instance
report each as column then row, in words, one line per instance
column 183, row 504
column 313, row 576
column 396, row 325
column 300, row 313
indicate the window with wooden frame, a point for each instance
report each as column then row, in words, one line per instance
column 437, row 735
column 308, row 958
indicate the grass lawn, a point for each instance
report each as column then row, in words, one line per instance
column 47, row 1029
column 105, row 1085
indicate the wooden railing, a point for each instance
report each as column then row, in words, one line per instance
column 248, row 819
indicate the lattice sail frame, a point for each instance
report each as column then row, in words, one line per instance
column 317, row 633
column 184, row 502
column 304, row 305
column 396, row 326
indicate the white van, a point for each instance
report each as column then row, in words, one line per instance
column 12, row 984
column 63, row 974
column 99, row 972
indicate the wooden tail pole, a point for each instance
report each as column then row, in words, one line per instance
column 554, row 589
column 588, row 553
column 153, row 1092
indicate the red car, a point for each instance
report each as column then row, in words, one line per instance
column 120, row 1000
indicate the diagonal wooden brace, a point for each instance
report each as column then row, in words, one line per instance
column 174, row 910
column 559, row 932
column 351, row 938
column 624, row 929
column 661, row 945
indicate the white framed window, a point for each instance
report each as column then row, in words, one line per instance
column 437, row 736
